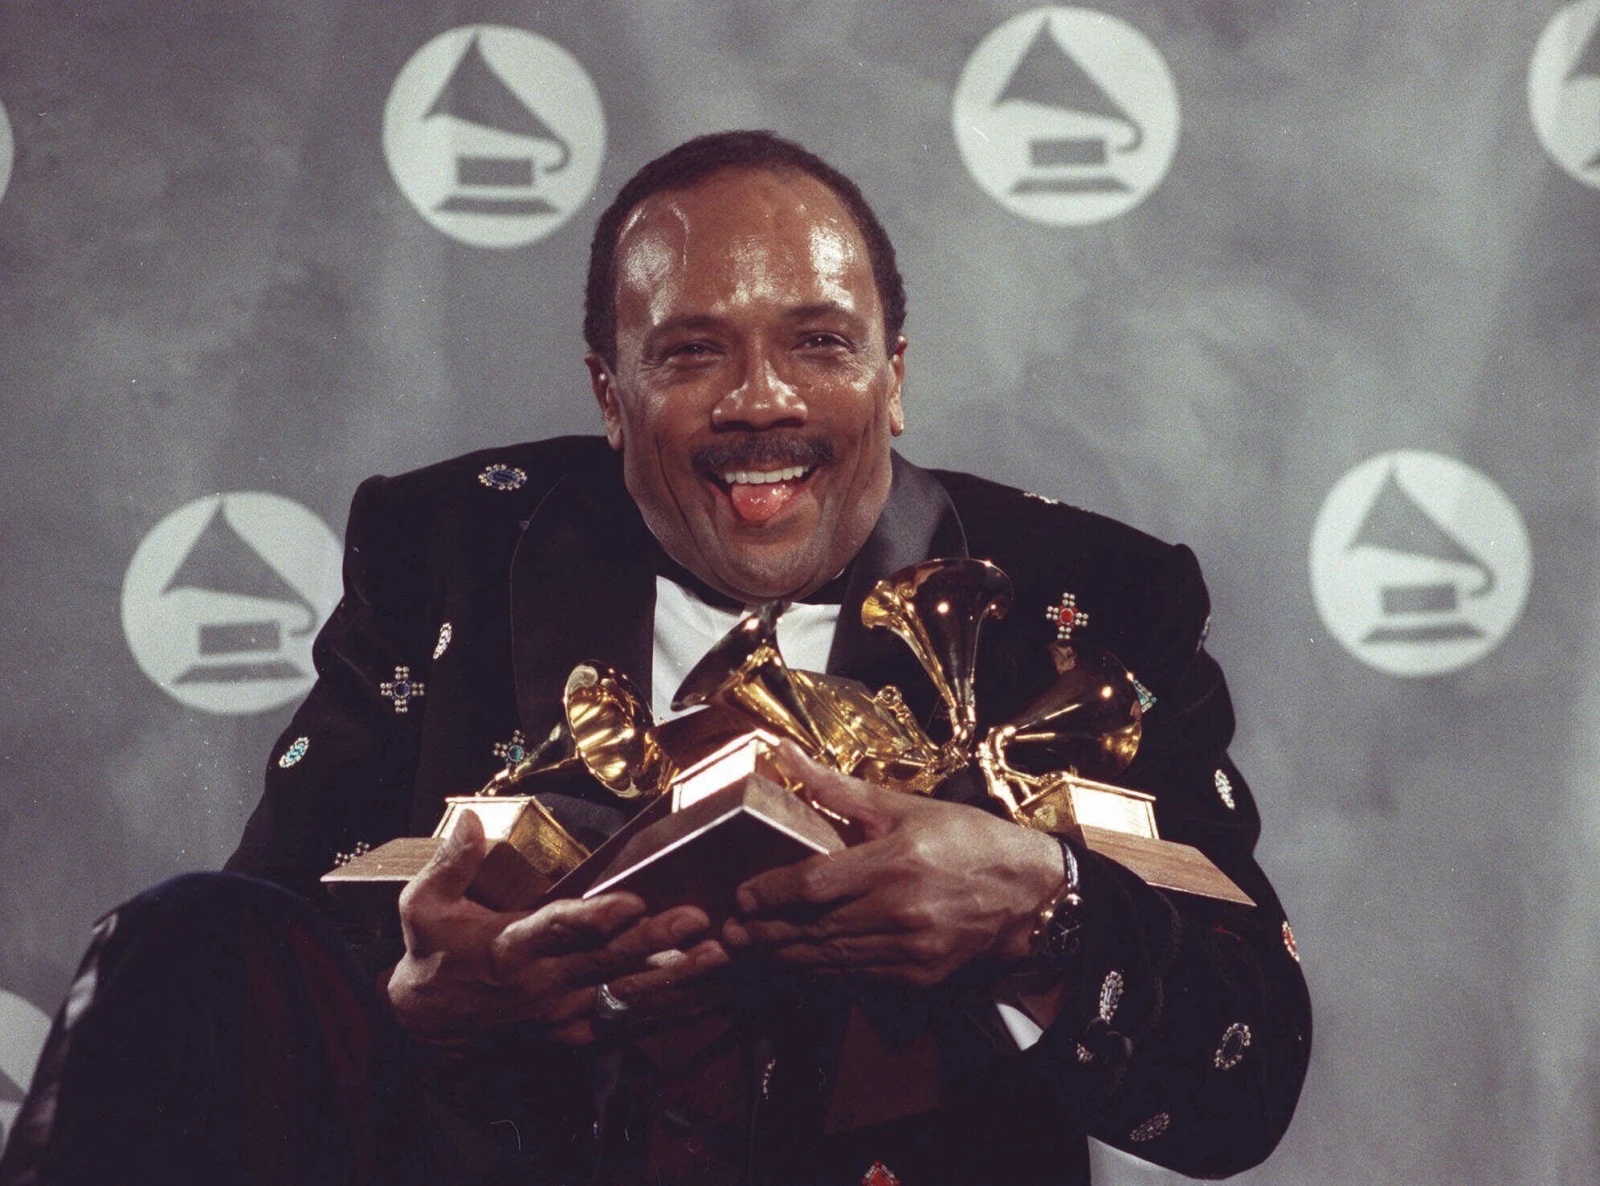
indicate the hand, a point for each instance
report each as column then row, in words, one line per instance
column 468, row 967
column 931, row 887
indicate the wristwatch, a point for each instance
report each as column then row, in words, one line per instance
column 1055, row 935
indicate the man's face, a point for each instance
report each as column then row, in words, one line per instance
column 754, row 396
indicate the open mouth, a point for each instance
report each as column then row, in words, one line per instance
column 758, row 495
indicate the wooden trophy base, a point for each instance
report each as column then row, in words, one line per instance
column 528, row 853
column 1121, row 824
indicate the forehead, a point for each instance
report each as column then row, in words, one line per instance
column 741, row 236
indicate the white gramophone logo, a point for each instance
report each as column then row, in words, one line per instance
column 23, row 1029
column 224, row 596
column 494, row 134
column 7, row 149
column 1419, row 564
column 1066, row 116
column 1564, row 90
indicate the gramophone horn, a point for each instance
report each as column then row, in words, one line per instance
column 746, row 673
column 613, row 731
column 605, row 730
column 937, row 609
column 1088, row 722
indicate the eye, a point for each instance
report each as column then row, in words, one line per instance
column 690, row 351
column 824, row 340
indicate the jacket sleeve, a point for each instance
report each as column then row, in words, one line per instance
column 340, row 775
column 1187, row 1031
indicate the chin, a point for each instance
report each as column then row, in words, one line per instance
column 756, row 582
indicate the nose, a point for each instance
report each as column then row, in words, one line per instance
column 762, row 399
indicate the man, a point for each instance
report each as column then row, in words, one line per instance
column 744, row 320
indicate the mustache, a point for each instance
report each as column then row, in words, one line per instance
column 761, row 450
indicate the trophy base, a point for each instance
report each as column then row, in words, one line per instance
column 724, row 820
column 1067, row 801
column 1121, row 824
column 700, row 854
column 528, row 853
column 1166, row 864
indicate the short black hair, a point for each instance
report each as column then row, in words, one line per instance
column 693, row 161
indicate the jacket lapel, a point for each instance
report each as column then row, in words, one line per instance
column 919, row 522
column 582, row 588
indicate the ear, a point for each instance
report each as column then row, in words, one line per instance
column 897, row 363
column 604, row 385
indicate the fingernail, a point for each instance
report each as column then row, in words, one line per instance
column 735, row 935
column 746, row 901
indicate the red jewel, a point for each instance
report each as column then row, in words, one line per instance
column 879, row 1174
column 1066, row 616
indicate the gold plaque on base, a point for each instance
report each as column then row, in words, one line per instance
column 1067, row 799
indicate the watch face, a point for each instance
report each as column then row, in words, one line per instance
column 1061, row 933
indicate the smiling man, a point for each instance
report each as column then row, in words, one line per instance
column 750, row 379
column 954, row 999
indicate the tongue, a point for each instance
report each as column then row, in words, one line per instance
column 758, row 503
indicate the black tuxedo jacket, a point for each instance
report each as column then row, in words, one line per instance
column 472, row 588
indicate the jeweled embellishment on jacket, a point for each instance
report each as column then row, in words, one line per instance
column 1230, row 1053
column 879, row 1174
column 297, row 750
column 513, row 751
column 401, row 689
column 1110, row 995
column 1151, row 1128
column 503, row 477
column 1147, row 698
column 1225, row 790
column 446, row 633
column 1288, row 941
column 1066, row 616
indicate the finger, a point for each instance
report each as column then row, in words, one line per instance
column 455, row 862
column 872, row 809
column 866, row 915
column 659, row 934
column 855, row 953
column 628, row 948
column 568, row 925
column 815, row 882
column 577, row 1033
column 582, row 944
column 682, row 969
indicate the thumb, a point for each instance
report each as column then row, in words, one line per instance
column 452, row 867
column 871, row 809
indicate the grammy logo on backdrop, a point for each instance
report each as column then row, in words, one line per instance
column 250, row 646
column 1421, row 610
column 503, row 182
column 1050, row 77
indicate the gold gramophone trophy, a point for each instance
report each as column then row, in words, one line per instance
column 716, row 809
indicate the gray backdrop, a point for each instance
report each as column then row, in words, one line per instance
column 1378, row 231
